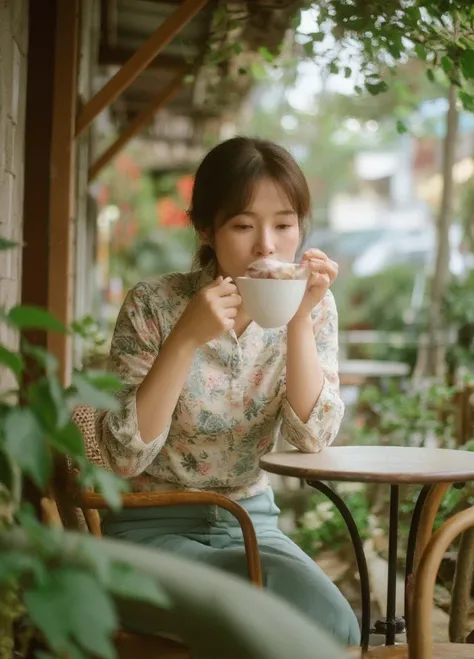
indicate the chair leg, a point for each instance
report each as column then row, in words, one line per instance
column 420, row 645
column 425, row 531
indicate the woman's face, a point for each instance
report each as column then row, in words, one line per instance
column 267, row 228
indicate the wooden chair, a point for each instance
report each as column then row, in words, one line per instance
column 77, row 509
column 420, row 645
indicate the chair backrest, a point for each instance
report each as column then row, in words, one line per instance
column 87, row 420
column 420, row 644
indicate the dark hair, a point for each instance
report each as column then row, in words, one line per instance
column 225, row 181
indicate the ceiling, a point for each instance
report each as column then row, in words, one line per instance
column 220, row 82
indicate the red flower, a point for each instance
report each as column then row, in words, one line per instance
column 170, row 214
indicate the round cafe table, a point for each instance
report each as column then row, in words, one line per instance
column 433, row 469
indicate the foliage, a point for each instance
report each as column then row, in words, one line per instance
column 36, row 425
column 384, row 35
column 409, row 414
column 149, row 235
column 216, row 614
column 459, row 313
column 322, row 527
column 382, row 302
column 467, row 213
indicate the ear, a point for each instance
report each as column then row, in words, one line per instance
column 205, row 237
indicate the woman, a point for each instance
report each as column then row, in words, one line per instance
column 207, row 391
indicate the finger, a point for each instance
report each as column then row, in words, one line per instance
column 227, row 287
column 324, row 267
column 320, row 280
column 217, row 282
column 315, row 259
column 233, row 300
column 231, row 312
column 314, row 254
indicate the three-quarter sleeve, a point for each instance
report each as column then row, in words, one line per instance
column 135, row 345
column 323, row 424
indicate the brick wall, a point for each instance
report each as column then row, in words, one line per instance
column 13, row 69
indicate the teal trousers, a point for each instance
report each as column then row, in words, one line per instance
column 211, row 535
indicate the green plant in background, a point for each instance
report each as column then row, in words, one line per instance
column 383, row 302
column 459, row 313
column 35, row 424
column 413, row 414
column 385, row 34
column 322, row 527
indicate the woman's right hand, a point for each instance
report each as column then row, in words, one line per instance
column 211, row 312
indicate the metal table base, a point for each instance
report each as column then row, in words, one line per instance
column 391, row 625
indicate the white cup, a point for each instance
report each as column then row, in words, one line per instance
column 271, row 302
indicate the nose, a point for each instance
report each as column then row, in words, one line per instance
column 265, row 246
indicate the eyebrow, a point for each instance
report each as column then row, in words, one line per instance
column 281, row 213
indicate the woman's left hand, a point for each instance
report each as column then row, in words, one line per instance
column 323, row 272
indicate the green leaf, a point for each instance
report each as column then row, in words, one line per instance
column 12, row 360
column 49, row 404
column 266, row 54
column 41, row 357
column 296, row 20
column 430, row 75
column 68, row 440
column 16, row 565
column 103, row 380
column 334, row 68
column 347, row 71
column 58, row 399
column 127, row 582
column 420, row 51
column 72, row 607
column 7, row 244
column 237, row 47
column 447, row 64
column 6, row 471
column 110, row 486
column 376, row 88
column 317, row 37
column 467, row 100
column 308, row 49
column 40, row 654
column 394, row 50
column 89, row 394
column 26, row 317
column 26, row 446
column 401, row 128
column 467, row 64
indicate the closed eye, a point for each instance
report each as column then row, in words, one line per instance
column 242, row 227
column 282, row 227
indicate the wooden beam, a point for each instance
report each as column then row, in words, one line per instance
column 138, row 62
column 111, row 23
column 119, row 56
column 61, row 216
column 137, row 124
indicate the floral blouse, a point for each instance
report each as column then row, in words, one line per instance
column 232, row 406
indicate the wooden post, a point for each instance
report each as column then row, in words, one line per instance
column 139, row 122
column 62, row 179
column 138, row 62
